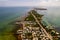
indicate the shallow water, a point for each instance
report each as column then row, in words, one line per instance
column 9, row 14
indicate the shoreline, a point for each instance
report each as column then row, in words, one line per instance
column 17, row 27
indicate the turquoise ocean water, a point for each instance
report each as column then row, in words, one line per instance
column 52, row 15
column 8, row 14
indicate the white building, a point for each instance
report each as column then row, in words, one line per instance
column 35, row 38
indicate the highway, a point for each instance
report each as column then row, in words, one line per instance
column 44, row 31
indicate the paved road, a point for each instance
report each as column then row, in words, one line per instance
column 47, row 34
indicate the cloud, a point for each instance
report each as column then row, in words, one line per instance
column 49, row 3
column 3, row 0
column 29, row 3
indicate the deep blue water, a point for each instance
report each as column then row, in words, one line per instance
column 7, row 14
column 52, row 15
column 10, row 12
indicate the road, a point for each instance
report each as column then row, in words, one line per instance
column 47, row 34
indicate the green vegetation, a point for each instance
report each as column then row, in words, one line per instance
column 29, row 18
column 36, row 14
column 53, row 34
column 7, row 37
column 28, row 35
column 36, row 25
column 6, row 30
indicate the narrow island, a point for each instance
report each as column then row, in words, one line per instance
column 31, row 27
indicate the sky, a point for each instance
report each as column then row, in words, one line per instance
column 29, row 2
